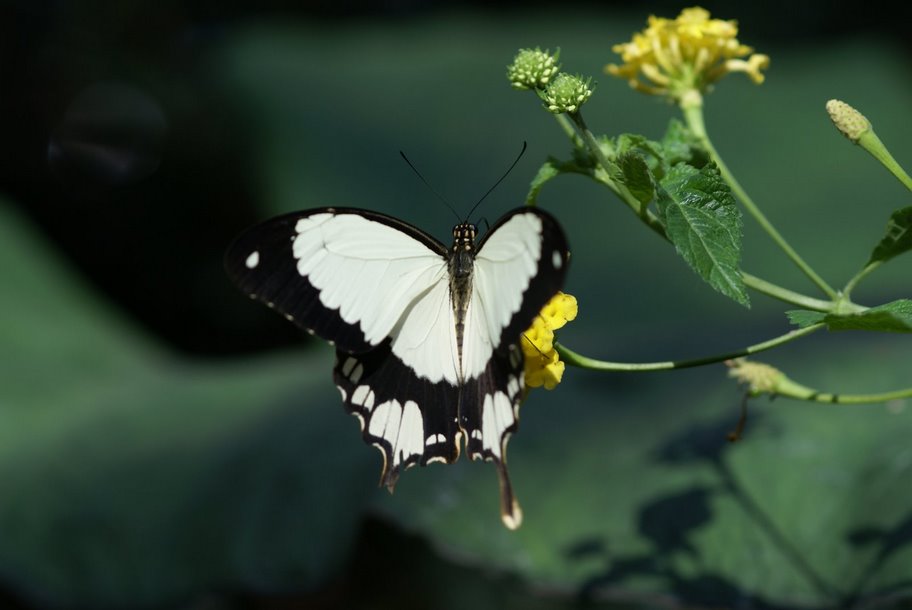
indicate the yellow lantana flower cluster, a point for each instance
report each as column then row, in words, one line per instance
column 674, row 56
column 543, row 365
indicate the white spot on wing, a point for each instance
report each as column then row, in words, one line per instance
column 359, row 396
column 400, row 426
column 512, row 386
column 557, row 260
column 496, row 417
column 356, row 374
column 342, row 392
column 253, row 260
column 348, row 366
column 434, row 439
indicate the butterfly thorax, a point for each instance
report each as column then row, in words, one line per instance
column 462, row 265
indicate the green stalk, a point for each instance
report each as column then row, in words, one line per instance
column 859, row 276
column 871, row 143
column 786, row 295
column 693, row 114
column 574, row 359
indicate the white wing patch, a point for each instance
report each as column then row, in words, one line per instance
column 504, row 267
column 496, row 416
column 425, row 339
column 402, row 426
column 369, row 271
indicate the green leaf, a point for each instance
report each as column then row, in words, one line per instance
column 546, row 172
column 552, row 168
column 703, row 222
column 632, row 141
column 893, row 317
column 680, row 145
column 804, row 317
column 636, row 176
column 898, row 238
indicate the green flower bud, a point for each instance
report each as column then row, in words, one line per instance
column 532, row 69
column 760, row 378
column 566, row 93
column 849, row 121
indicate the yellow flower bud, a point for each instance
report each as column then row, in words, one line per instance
column 851, row 123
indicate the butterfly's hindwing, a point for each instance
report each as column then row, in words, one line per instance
column 489, row 415
column 409, row 419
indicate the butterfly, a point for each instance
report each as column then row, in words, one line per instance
column 426, row 336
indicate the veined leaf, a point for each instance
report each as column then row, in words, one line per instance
column 898, row 238
column 679, row 145
column 703, row 222
column 803, row 318
column 636, row 176
column 893, row 317
column 549, row 169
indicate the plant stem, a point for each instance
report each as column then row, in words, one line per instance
column 870, row 142
column 574, row 359
column 790, row 296
column 810, row 395
column 568, row 129
column 858, row 277
column 693, row 114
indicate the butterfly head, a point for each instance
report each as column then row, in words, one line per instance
column 464, row 237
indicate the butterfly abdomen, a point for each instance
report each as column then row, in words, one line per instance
column 461, row 267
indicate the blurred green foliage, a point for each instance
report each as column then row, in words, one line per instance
column 135, row 476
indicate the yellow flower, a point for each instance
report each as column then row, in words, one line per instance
column 672, row 57
column 543, row 365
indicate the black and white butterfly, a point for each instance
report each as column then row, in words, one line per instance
column 427, row 337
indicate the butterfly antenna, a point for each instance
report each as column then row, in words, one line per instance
column 506, row 173
column 430, row 188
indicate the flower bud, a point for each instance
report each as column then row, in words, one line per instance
column 566, row 93
column 849, row 121
column 532, row 68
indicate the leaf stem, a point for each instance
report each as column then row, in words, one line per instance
column 871, row 143
column 786, row 295
column 568, row 129
column 859, row 276
column 574, row 359
column 791, row 389
column 692, row 107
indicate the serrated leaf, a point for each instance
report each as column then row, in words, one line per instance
column 553, row 168
column 703, row 222
column 633, row 141
column 636, row 176
column 898, row 238
column 546, row 172
column 680, row 145
column 893, row 317
column 804, row 317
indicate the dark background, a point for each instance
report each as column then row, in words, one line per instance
column 166, row 443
